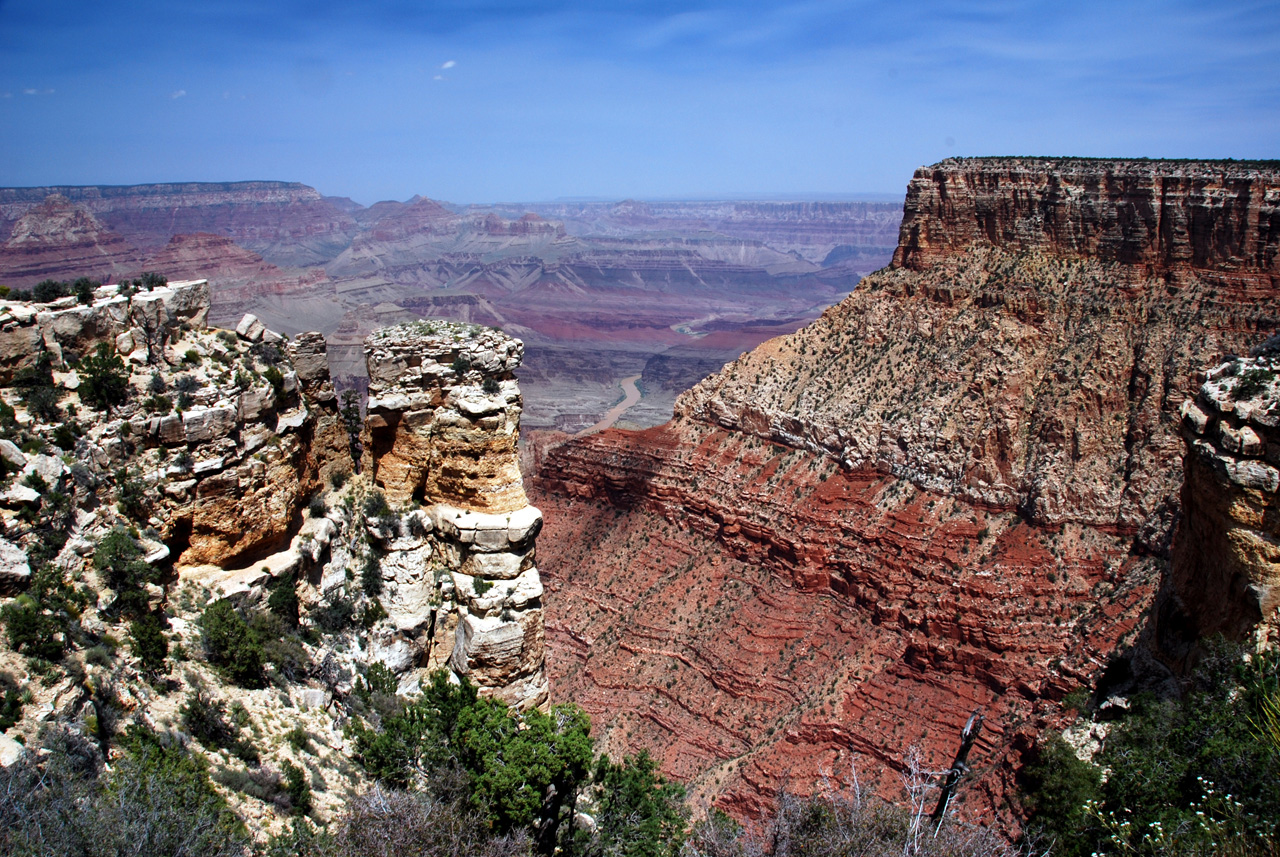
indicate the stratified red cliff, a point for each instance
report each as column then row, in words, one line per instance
column 956, row 489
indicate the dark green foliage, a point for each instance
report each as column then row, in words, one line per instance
column 276, row 379
column 481, row 585
column 186, row 384
column 84, row 288
column 131, row 496
column 156, row 384
column 205, row 719
column 491, row 386
column 371, row 574
column 1252, row 382
column 151, row 280
column 231, row 645
column 104, row 379
column 283, row 601
column 299, row 789
column 1171, row 759
column 48, row 291
column 119, row 562
column 316, row 507
column 335, row 614
column 156, row 800
column 39, row 621
column 461, row 364
column 375, row 505
column 351, row 415
column 149, row 644
column 1057, row 785
column 259, row 782
column 638, row 813
column 378, row 678
column 280, row 646
column 10, row 702
column 299, row 739
column 37, row 389
column 158, row 405
column 523, row 770
column 66, row 433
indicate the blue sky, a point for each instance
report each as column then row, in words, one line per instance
column 509, row 100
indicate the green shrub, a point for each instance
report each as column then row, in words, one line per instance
column 1252, row 382
column 10, row 702
column 156, row 799
column 1171, row 762
column 335, row 614
column 491, row 386
column 276, row 379
column 316, row 507
column 299, row 739
column 371, row 574
column 638, row 813
column 231, row 645
column 299, row 789
column 131, row 496
column 205, row 719
column 39, row 621
column 283, row 601
column 149, row 643
column 104, row 379
column 118, row 559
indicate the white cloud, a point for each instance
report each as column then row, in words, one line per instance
column 181, row 93
column 438, row 77
column 449, row 64
column 30, row 92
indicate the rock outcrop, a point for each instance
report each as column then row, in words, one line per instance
column 1225, row 572
column 957, row 488
column 442, row 423
column 1158, row 216
column 229, row 469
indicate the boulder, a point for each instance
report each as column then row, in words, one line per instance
column 15, row 570
column 250, row 328
column 10, row 453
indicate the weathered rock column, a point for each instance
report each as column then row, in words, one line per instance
column 442, row 426
column 1225, row 573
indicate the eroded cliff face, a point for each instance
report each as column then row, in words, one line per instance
column 1159, row 216
column 955, row 489
column 443, row 418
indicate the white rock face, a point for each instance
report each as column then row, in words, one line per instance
column 14, row 568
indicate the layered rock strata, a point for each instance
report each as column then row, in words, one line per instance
column 57, row 236
column 956, row 488
column 1225, row 571
column 442, row 423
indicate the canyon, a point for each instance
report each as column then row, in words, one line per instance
column 598, row 292
column 958, row 489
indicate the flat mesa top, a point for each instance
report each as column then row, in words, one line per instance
column 410, row 332
column 1150, row 166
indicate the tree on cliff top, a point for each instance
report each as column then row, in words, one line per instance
column 104, row 379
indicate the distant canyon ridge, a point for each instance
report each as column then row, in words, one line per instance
column 599, row 291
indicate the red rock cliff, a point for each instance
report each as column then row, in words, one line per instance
column 955, row 489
